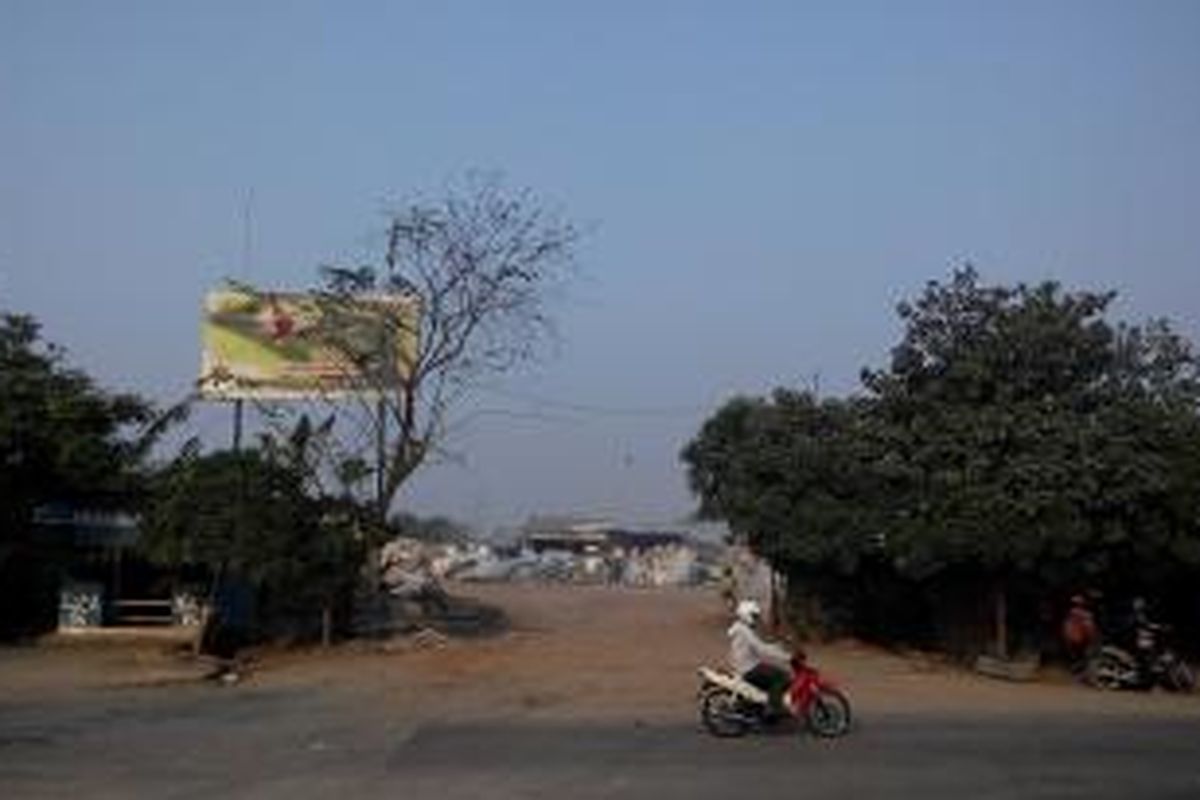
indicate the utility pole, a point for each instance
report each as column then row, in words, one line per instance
column 381, row 457
column 238, row 413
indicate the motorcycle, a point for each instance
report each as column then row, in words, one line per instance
column 730, row 706
column 1113, row 667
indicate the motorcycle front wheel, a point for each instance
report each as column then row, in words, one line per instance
column 1105, row 671
column 720, row 714
column 1179, row 677
column 828, row 713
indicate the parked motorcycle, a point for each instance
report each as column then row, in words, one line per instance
column 730, row 706
column 1151, row 664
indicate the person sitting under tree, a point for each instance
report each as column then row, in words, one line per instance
column 1079, row 633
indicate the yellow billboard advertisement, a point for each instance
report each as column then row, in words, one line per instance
column 294, row 345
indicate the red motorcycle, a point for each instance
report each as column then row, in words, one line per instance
column 729, row 706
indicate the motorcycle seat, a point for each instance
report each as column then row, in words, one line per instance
column 733, row 683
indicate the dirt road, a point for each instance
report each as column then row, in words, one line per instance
column 583, row 653
column 589, row 695
column 573, row 653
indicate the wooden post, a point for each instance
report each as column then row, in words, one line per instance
column 117, row 589
column 381, row 457
column 1001, row 609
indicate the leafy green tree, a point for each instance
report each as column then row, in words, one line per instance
column 718, row 460
column 800, row 481
column 1034, row 436
column 246, row 517
column 787, row 473
column 63, row 441
column 1018, row 441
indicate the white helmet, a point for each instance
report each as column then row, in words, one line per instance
column 748, row 611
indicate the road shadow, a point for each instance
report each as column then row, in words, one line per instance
column 890, row 756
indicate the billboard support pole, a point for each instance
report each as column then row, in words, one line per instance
column 238, row 413
column 381, row 457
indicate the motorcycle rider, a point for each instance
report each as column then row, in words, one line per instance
column 1142, row 634
column 761, row 663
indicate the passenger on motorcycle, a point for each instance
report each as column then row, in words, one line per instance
column 760, row 663
column 1141, row 634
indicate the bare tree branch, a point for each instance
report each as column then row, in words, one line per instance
column 480, row 265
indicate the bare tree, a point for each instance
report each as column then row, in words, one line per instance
column 462, row 294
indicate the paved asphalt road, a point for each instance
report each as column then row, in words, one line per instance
column 250, row 742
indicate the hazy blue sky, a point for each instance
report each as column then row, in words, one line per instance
column 763, row 182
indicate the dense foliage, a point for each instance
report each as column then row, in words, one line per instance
column 283, row 555
column 278, row 556
column 64, row 441
column 1018, row 443
column 61, row 437
column 249, row 519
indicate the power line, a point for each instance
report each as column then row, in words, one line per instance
column 592, row 409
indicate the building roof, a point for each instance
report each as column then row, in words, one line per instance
column 565, row 524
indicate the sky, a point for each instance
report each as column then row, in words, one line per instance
column 760, row 184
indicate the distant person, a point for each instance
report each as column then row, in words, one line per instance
column 760, row 663
column 1141, row 633
column 1139, row 615
column 728, row 585
column 1079, row 633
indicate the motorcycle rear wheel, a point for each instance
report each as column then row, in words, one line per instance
column 828, row 713
column 720, row 714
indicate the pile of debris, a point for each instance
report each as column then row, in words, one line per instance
column 666, row 565
column 412, row 598
column 412, row 571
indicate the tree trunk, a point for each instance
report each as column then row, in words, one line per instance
column 1001, row 621
column 326, row 625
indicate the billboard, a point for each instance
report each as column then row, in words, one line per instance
column 295, row 345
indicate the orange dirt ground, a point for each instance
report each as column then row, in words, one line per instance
column 571, row 653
